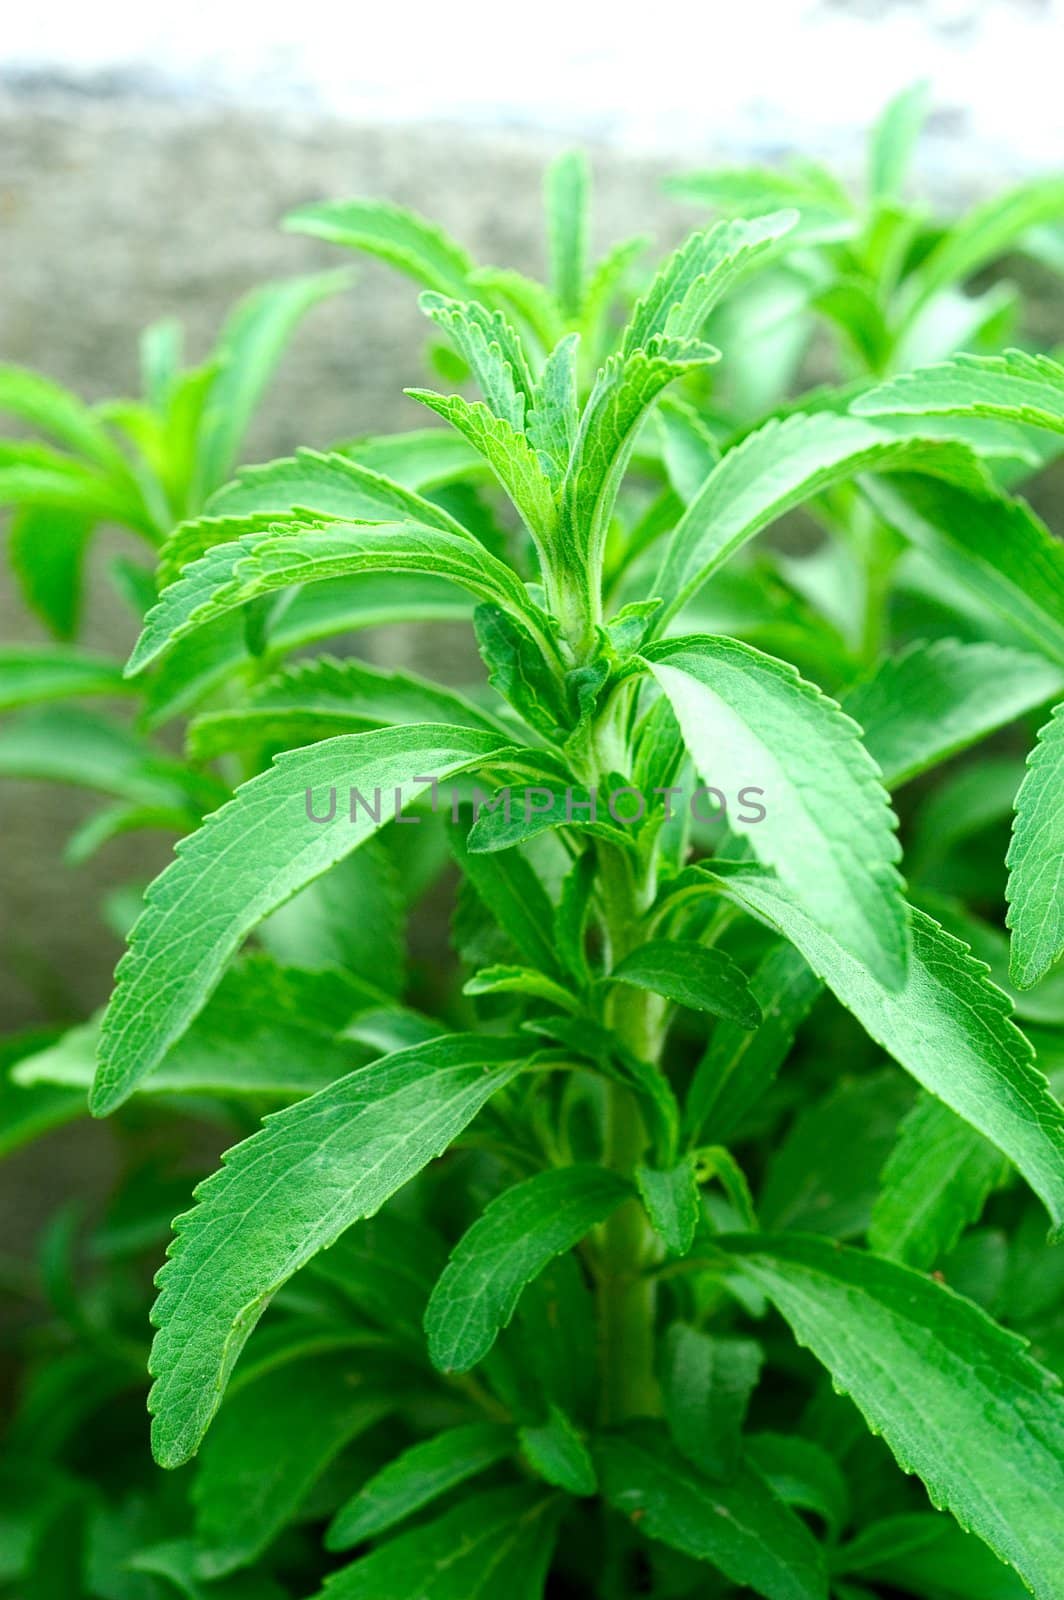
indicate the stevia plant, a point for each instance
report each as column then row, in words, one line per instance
column 635, row 1250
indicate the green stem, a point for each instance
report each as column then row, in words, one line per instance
column 627, row 1297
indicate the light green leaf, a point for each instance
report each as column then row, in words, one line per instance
column 554, row 417
column 1014, row 387
column 955, row 1396
column 509, row 455
column 948, row 1026
column 327, row 696
column 422, row 459
column 320, row 928
column 35, row 475
column 567, row 195
column 780, row 466
column 496, row 1543
column 624, row 391
column 937, row 698
column 28, row 1109
column 986, row 232
column 393, row 234
column 320, row 485
column 699, row 274
column 491, row 349
column 69, row 744
column 893, row 137
column 672, row 1203
column 47, row 549
column 555, row 1450
column 195, row 918
column 1036, row 860
column 746, row 191
column 266, row 1031
column 416, row 1478
column 49, row 408
column 248, row 349
column 994, row 546
column 519, row 980
column 751, row 721
column 231, row 575
column 517, row 1235
column 692, row 975
column 935, row 1183
column 291, row 1191
column 297, row 1417
column 737, row 1525
column 29, row 674
column 706, row 1384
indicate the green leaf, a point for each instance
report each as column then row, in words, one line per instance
column 499, row 1542
column 699, row 274
column 556, row 1452
column 248, row 349
column 35, row 475
column 321, row 928
column 955, row 1396
column 271, row 849
column 422, row 459
column 751, row 721
column 391, row 233
column 891, row 145
column 53, row 410
column 921, row 1553
column 554, row 418
column 567, row 185
column 987, row 232
column 47, row 549
column 519, row 980
column 231, row 575
column 68, row 744
column 319, row 485
column 510, row 1243
column 949, row 1027
column 994, row 546
column 672, row 1203
column 691, row 975
column 297, row 1417
column 28, row 1110
column 291, row 1191
column 491, row 349
column 624, row 391
column 802, row 1474
column 29, row 674
column 935, row 1183
column 937, row 698
column 740, row 1064
column 821, row 1177
column 688, row 449
column 509, row 455
column 1014, row 387
column 513, row 894
column 1036, row 860
column 738, row 1525
column 416, row 1478
column 746, row 191
column 327, row 696
column 706, row 1384
column 780, row 466
column 266, row 1031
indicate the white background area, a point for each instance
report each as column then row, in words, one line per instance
column 750, row 75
